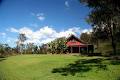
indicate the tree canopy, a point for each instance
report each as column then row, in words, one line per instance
column 104, row 16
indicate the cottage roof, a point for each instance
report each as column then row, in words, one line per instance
column 74, row 41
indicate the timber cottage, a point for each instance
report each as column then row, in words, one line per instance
column 75, row 45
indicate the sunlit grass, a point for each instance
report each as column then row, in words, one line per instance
column 40, row 67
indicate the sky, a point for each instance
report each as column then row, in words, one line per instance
column 41, row 20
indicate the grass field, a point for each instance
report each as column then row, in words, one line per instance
column 58, row 67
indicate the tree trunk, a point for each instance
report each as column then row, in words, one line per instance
column 112, row 28
column 97, row 44
column 113, row 44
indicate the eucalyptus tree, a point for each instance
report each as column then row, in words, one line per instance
column 21, row 42
column 105, row 15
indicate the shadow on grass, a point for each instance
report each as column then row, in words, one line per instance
column 2, row 58
column 81, row 66
column 86, row 65
column 115, row 62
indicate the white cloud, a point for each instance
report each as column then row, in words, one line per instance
column 39, row 16
column 67, row 4
column 13, row 30
column 11, row 41
column 2, row 33
column 45, row 34
column 86, row 31
column 25, row 30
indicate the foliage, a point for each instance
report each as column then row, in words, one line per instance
column 105, row 48
column 29, row 48
column 85, row 37
column 57, row 46
column 42, row 49
column 6, row 50
column 104, row 16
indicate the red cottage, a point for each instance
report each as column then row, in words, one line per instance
column 75, row 45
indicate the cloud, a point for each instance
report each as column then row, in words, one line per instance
column 11, row 41
column 67, row 4
column 2, row 33
column 39, row 16
column 86, row 31
column 12, row 30
column 45, row 34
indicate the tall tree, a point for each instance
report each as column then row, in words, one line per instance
column 105, row 15
column 20, row 43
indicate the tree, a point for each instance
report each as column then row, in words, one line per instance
column 29, row 48
column 61, row 46
column 43, row 49
column 105, row 15
column 57, row 46
column 20, row 43
column 2, row 50
column 5, row 50
column 85, row 37
column 35, row 48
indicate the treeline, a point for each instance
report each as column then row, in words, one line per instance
column 6, row 50
column 56, row 46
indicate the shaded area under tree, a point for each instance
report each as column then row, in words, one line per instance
column 85, row 65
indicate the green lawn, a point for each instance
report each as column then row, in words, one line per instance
column 58, row 67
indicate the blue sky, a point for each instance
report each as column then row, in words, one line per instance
column 41, row 18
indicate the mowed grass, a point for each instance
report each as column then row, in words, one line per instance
column 58, row 67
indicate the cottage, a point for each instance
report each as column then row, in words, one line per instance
column 75, row 45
